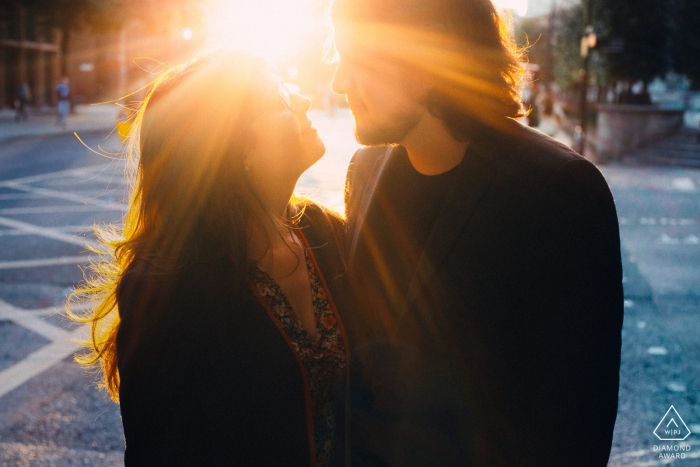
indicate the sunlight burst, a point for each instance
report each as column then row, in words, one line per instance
column 519, row 7
column 274, row 29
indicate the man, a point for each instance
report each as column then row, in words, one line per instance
column 485, row 256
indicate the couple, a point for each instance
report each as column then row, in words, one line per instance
column 466, row 313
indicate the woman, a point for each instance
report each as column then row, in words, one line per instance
column 216, row 327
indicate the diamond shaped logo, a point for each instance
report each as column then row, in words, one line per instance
column 672, row 427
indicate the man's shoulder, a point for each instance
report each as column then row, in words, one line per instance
column 527, row 157
column 529, row 149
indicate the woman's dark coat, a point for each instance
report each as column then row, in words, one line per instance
column 207, row 379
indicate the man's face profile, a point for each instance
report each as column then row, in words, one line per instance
column 386, row 99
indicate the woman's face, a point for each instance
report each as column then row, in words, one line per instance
column 284, row 142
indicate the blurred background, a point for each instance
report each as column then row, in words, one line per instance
column 617, row 80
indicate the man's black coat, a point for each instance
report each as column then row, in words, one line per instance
column 505, row 350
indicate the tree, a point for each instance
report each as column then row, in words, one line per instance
column 567, row 49
column 645, row 27
column 686, row 40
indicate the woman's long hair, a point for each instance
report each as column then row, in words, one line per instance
column 191, row 201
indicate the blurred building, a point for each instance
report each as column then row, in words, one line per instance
column 102, row 65
column 30, row 52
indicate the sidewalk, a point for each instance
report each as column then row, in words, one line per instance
column 85, row 118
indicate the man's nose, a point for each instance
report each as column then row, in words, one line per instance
column 341, row 78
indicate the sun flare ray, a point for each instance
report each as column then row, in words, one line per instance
column 273, row 29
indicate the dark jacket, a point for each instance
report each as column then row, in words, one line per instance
column 207, row 379
column 505, row 350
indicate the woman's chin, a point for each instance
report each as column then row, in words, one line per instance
column 315, row 151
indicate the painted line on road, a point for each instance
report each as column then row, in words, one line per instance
column 82, row 171
column 50, row 454
column 36, row 363
column 110, row 205
column 49, row 210
column 69, row 180
column 47, row 232
column 36, row 263
column 30, row 321
column 63, row 344
column 69, row 229
column 19, row 196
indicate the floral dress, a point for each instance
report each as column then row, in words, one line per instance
column 323, row 357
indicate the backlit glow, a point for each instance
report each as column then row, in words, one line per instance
column 274, row 29
column 519, row 7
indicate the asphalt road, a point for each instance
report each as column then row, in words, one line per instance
column 52, row 189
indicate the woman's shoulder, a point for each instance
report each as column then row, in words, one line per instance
column 320, row 224
column 318, row 212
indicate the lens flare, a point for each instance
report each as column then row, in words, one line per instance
column 274, row 29
column 518, row 6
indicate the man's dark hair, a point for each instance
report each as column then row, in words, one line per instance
column 463, row 46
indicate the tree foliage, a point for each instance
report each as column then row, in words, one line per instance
column 646, row 28
column 567, row 50
column 686, row 40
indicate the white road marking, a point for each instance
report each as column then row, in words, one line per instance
column 69, row 229
column 49, row 210
column 657, row 351
column 20, row 196
column 45, row 455
column 63, row 344
column 31, row 322
column 80, row 172
column 676, row 386
column 691, row 240
column 34, row 263
column 669, row 240
column 665, row 221
column 110, row 205
column 683, row 184
column 34, row 364
column 47, row 232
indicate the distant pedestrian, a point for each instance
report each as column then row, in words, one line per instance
column 24, row 95
column 63, row 94
column 530, row 101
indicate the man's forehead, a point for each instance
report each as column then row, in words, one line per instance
column 410, row 45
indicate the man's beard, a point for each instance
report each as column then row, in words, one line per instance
column 375, row 135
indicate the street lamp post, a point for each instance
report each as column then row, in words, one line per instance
column 588, row 41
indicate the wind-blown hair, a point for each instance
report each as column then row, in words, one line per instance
column 191, row 201
column 462, row 46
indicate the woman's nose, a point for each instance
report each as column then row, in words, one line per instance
column 301, row 103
